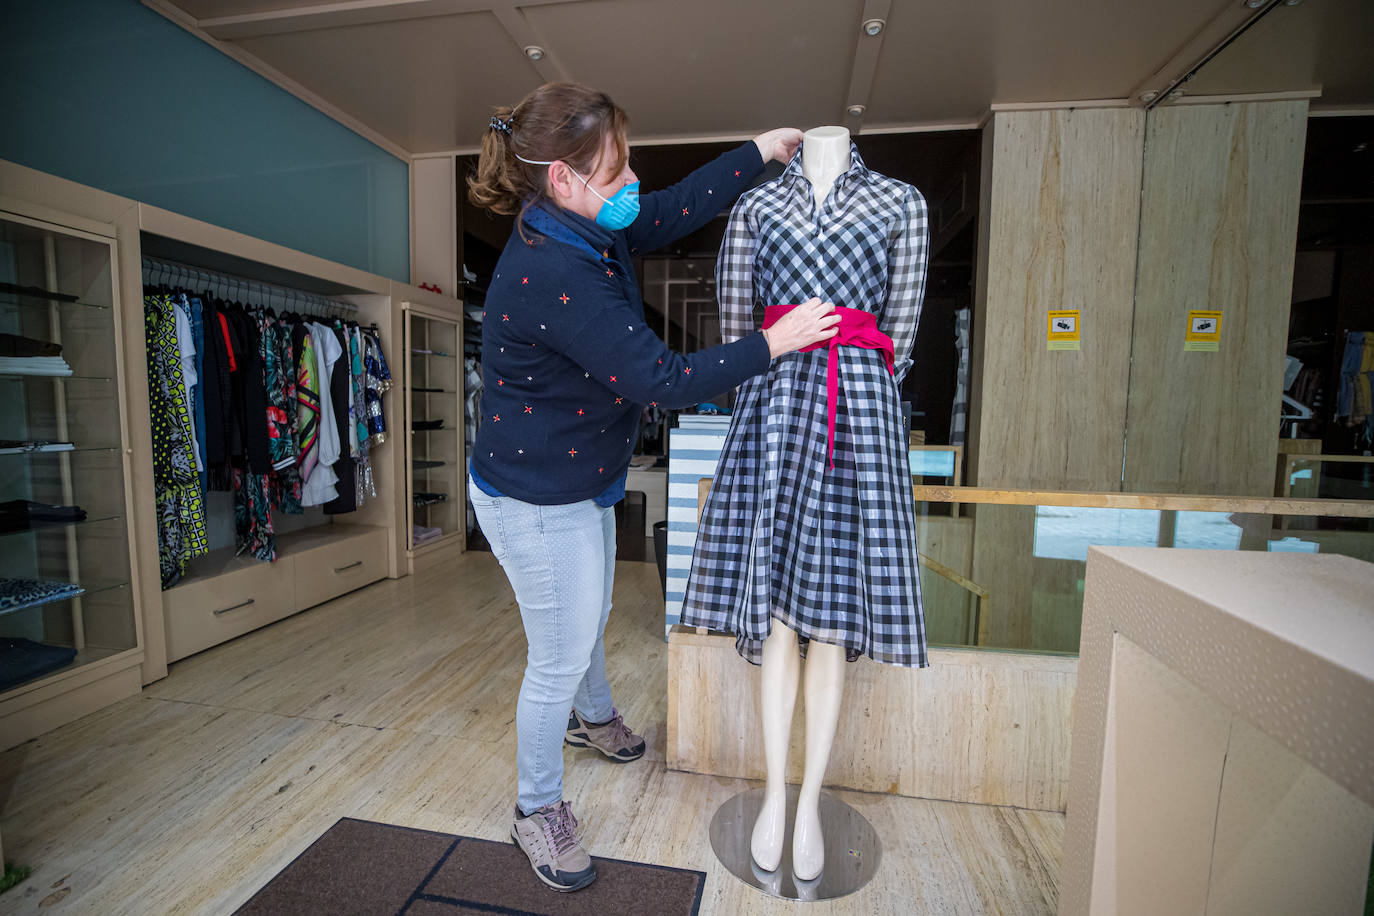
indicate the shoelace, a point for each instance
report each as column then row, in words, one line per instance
column 560, row 826
column 620, row 735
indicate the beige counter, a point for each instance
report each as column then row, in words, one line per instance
column 1223, row 740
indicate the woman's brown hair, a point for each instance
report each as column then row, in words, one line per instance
column 564, row 121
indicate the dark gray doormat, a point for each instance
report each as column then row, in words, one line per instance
column 363, row 867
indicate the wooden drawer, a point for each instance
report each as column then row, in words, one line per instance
column 350, row 561
column 205, row 612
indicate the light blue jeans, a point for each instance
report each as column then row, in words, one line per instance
column 560, row 561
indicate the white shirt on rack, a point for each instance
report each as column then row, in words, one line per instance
column 186, row 349
column 320, row 489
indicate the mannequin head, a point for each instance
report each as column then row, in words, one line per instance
column 825, row 157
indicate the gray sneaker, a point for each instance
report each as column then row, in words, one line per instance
column 549, row 838
column 610, row 738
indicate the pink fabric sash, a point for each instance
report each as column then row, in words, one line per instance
column 856, row 329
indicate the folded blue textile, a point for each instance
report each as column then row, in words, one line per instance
column 23, row 660
column 17, row 594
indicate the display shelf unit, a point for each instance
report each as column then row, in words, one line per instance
column 318, row 556
column 435, row 496
column 63, row 654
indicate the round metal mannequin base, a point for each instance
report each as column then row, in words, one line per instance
column 852, row 849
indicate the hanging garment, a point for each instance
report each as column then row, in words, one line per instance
column 253, row 516
column 831, row 553
column 252, row 459
column 1364, row 376
column 307, row 401
column 341, row 398
column 176, row 484
column 217, row 381
column 362, row 442
column 378, row 383
column 198, row 398
column 284, row 483
column 186, row 352
column 281, row 446
column 320, row 488
column 958, row 421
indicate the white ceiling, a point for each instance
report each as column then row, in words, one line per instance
column 423, row 75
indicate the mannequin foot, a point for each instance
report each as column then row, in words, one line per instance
column 808, row 846
column 766, row 843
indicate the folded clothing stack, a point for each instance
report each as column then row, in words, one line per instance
column 17, row 446
column 17, row 594
column 27, row 356
column 23, row 660
column 19, row 514
column 423, row 535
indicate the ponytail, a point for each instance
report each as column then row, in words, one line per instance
column 494, row 187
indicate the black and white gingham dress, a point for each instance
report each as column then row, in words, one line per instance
column 830, row 553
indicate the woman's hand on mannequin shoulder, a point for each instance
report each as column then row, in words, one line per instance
column 811, row 322
column 778, row 144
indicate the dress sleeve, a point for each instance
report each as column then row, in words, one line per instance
column 735, row 274
column 907, row 251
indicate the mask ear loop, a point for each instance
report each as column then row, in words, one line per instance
column 586, row 183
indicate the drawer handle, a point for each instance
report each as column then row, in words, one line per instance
column 349, row 566
column 234, row 607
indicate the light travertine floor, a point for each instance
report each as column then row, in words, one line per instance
column 396, row 704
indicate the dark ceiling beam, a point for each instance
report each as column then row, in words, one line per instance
column 866, row 50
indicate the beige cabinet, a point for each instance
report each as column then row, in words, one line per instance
column 436, row 464
column 70, row 633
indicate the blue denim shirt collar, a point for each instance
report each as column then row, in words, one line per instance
column 564, row 226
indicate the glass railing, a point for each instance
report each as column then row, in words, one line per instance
column 1004, row 569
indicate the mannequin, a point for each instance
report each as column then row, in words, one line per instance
column 825, row 156
column 809, row 531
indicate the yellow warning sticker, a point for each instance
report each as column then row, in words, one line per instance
column 1062, row 332
column 1204, row 332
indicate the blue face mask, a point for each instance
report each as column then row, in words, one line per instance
column 617, row 211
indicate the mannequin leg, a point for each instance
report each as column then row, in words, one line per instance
column 778, row 698
column 825, row 666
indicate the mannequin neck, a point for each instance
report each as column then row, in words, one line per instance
column 825, row 157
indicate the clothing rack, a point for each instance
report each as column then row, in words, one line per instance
column 160, row 271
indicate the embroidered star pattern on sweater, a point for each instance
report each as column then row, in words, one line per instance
column 571, row 361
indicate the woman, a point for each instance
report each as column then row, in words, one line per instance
column 568, row 364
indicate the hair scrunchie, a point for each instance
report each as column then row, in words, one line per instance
column 500, row 124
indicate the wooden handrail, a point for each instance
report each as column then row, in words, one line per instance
column 1174, row 502
column 1171, row 502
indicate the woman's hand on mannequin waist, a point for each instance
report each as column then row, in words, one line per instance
column 778, row 144
column 809, row 323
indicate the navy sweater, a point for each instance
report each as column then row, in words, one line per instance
column 568, row 360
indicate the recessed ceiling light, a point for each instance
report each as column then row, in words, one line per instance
column 874, row 26
column 855, row 111
column 534, row 52
column 1255, row 4
column 1149, row 95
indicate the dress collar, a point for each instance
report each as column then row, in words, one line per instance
column 856, row 169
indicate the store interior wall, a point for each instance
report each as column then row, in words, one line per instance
column 110, row 94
